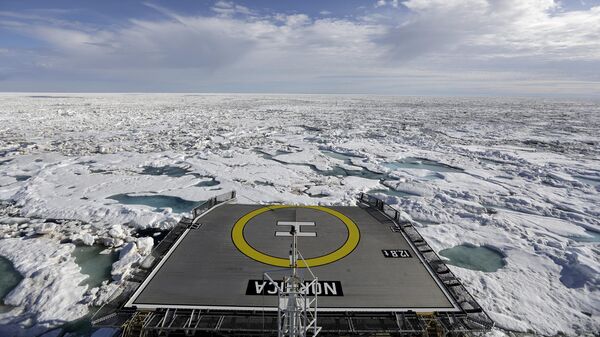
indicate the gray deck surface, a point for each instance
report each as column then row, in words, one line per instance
column 207, row 270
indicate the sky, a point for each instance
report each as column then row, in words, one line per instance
column 391, row 47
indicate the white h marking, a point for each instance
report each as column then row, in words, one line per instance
column 297, row 225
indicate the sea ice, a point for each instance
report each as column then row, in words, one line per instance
column 483, row 172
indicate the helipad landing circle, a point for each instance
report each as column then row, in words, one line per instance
column 237, row 236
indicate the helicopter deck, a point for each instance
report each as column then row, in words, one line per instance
column 363, row 263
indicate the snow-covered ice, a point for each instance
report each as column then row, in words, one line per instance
column 45, row 265
column 519, row 176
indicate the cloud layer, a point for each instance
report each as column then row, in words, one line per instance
column 497, row 47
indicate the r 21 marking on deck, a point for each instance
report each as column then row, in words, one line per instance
column 396, row 253
column 321, row 288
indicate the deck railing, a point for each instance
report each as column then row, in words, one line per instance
column 476, row 318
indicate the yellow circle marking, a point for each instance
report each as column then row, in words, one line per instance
column 237, row 235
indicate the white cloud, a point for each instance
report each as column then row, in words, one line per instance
column 383, row 3
column 297, row 20
column 229, row 8
column 488, row 28
column 242, row 49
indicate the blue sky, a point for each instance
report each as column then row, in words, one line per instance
column 412, row 47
